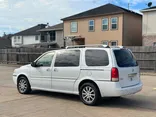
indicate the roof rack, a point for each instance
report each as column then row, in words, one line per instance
column 84, row 46
column 94, row 45
column 117, row 47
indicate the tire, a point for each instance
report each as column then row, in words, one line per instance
column 89, row 94
column 23, row 85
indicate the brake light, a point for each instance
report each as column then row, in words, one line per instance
column 114, row 75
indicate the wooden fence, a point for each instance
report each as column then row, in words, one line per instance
column 146, row 56
column 20, row 55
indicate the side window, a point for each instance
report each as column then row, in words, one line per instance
column 105, row 24
column 36, row 37
column 14, row 38
column 46, row 60
column 91, row 25
column 19, row 39
column 114, row 43
column 154, row 44
column 114, row 23
column 105, row 42
column 96, row 58
column 73, row 26
column 67, row 58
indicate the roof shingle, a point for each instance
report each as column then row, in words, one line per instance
column 154, row 7
column 106, row 9
column 55, row 27
column 31, row 31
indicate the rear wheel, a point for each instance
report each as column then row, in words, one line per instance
column 89, row 94
column 23, row 85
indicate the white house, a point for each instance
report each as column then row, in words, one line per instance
column 28, row 36
column 149, row 26
column 40, row 36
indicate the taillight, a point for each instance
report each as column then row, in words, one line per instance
column 114, row 75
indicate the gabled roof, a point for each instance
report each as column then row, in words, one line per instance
column 106, row 9
column 31, row 31
column 53, row 28
column 149, row 9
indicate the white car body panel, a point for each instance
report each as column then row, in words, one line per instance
column 67, row 79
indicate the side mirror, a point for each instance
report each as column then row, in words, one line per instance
column 33, row 64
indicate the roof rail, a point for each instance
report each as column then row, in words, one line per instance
column 84, row 46
column 117, row 47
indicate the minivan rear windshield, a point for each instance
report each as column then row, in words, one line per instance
column 125, row 58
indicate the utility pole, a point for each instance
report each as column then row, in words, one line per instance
column 128, row 5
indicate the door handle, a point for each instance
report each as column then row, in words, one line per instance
column 48, row 69
column 55, row 70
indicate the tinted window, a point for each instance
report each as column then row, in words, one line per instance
column 45, row 60
column 125, row 58
column 114, row 43
column 96, row 58
column 67, row 58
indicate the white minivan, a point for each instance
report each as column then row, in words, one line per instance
column 90, row 71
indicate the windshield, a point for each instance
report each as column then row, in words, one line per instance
column 125, row 58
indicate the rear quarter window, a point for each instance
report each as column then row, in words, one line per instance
column 125, row 58
column 96, row 58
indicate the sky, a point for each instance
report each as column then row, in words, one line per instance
column 17, row 15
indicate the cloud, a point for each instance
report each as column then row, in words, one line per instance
column 3, row 4
column 136, row 2
column 19, row 4
column 16, row 15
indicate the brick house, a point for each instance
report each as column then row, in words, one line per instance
column 108, row 24
column 149, row 26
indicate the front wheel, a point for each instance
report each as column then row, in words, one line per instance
column 23, row 85
column 89, row 94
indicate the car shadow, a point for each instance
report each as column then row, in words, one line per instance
column 128, row 102
column 56, row 95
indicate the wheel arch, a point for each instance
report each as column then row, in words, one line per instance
column 24, row 75
column 87, row 81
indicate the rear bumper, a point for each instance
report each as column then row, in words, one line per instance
column 112, row 89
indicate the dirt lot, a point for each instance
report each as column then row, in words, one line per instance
column 47, row 104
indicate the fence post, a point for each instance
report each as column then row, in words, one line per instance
column 155, row 63
column 7, row 56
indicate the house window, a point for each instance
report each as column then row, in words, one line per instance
column 73, row 27
column 105, row 24
column 36, row 37
column 19, row 39
column 114, row 23
column 154, row 44
column 114, row 43
column 105, row 42
column 14, row 38
column 53, row 36
column 91, row 25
